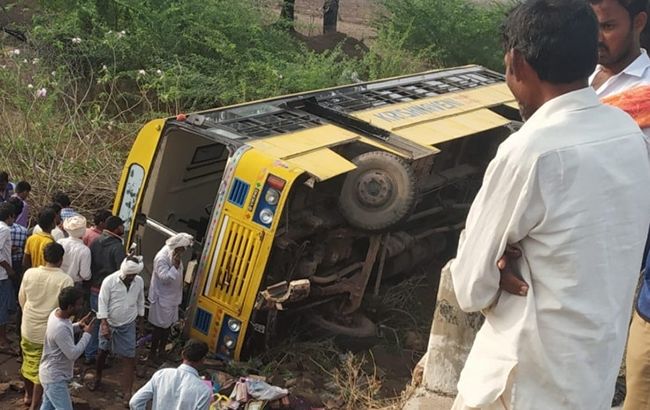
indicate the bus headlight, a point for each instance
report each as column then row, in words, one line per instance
column 229, row 342
column 266, row 216
column 234, row 325
column 272, row 196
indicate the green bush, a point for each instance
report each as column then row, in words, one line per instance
column 447, row 33
column 189, row 54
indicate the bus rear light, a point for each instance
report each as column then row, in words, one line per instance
column 275, row 182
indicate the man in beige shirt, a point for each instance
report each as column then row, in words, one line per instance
column 38, row 296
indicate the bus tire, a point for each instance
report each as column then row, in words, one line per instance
column 380, row 193
column 359, row 326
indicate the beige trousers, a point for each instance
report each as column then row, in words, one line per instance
column 637, row 362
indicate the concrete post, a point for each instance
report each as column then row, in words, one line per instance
column 452, row 335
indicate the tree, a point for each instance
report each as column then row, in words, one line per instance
column 288, row 11
column 330, row 16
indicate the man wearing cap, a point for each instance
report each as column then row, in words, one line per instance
column 166, row 290
column 121, row 301
column 76, row 259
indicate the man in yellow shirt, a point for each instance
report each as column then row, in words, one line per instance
column 38, row 296
column 37, row 241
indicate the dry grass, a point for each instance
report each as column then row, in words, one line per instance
column 73, row 139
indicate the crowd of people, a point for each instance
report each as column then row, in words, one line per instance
column 60, row 269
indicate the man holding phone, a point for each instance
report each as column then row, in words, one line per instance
column 60, row 350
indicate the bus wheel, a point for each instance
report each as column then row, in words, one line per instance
column 379, row 193
column 356, row 325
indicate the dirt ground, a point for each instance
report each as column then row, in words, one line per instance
column 355, row 17
column 320, row 370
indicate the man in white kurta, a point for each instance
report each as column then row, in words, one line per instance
column 569, row 190
column 166, row 290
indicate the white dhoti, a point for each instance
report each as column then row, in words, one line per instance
column 504, row 401
column 162, row 316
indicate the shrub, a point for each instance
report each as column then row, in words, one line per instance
column 187, row 54
column 447, row 33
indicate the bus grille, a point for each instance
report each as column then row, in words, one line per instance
column 202, row 320
column 235, row 265
column 238, row 192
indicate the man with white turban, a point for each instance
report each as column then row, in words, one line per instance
column 121, row 302
column 166, row 290
column 76, row 259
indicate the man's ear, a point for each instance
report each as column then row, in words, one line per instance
column 640, row 22
column 517, row 65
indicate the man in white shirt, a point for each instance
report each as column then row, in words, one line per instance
column 622, row 63
column 565, row 193
column 121, row 301
column 177, row 389
column 76, row 259
column 166, row 291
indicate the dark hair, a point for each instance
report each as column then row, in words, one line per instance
column 23, row 186
column 194, row 350
column 101, row 216
column 7, row 210
column 46, row 218
column 633, row 7
column 113, row 222
column 61, row 198
column 53, row 252
column 17, row 203
column 558, row 38
column 55, row 207
column 4, row 176
column 69, row 297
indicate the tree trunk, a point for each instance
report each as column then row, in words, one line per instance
column 330, row 16
column 288, row 11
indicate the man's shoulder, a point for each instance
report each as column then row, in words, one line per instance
column 18, row 228
column 29, row 273
column 62, row 277
column 111, row 278
column 65, row 241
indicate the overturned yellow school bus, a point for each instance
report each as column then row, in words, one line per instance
column 300, row 203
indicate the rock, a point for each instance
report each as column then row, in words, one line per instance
column 80, row 404
column 336, row 403
column 88, row 378
column 415, row 341
column 17, row 385
column 4, row 388
column 306, row 382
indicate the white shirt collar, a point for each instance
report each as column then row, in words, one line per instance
column 571, row 101
column 636, row 68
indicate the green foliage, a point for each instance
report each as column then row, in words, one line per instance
column 56, row 136
column 191, row 54
column 447, row 33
